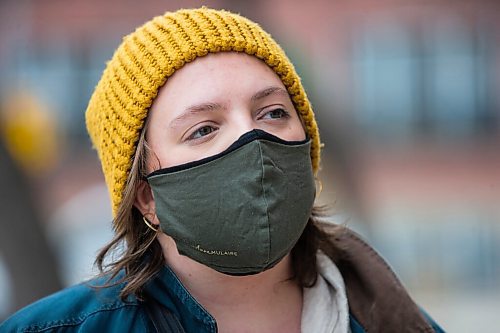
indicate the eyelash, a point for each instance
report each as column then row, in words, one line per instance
column 284, row 113
column 191, row 137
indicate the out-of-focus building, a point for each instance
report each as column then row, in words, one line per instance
column 406, row 94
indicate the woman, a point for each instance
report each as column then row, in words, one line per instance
column 209, row 148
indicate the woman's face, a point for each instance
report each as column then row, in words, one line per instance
column 209, row 103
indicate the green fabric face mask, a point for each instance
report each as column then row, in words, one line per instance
column 241, row 211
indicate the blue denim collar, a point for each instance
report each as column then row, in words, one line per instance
column 168, row 290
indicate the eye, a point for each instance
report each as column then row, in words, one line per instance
column 276, row 114
column 201, row 132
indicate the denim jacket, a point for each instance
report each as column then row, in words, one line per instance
column 377, row 301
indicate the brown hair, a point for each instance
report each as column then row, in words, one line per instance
column 140, row 255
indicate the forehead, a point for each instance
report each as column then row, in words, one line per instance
column 217, row 75
column 223, row 61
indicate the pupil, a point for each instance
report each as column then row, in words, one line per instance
column 205, row 130
column 275, row 113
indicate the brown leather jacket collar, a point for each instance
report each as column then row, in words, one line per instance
column 376, row 297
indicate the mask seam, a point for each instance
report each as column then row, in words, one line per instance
column 265, row 201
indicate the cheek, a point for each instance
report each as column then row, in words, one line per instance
column 295, row 131
column 176, row 156
column 181, row 154
column 291, row 130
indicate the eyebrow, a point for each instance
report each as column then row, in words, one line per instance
column 267, row 92
column 195, row 109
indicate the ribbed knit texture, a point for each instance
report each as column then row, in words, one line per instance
column 147, row 57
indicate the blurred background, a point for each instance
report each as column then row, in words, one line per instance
column 406, row 95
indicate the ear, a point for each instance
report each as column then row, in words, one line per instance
column 145, row 203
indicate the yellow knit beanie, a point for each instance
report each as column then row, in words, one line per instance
column 146, row 58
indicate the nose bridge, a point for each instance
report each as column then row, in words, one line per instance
column 241, row 122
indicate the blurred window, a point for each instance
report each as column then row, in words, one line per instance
column 431, row 78
column 386, row 87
